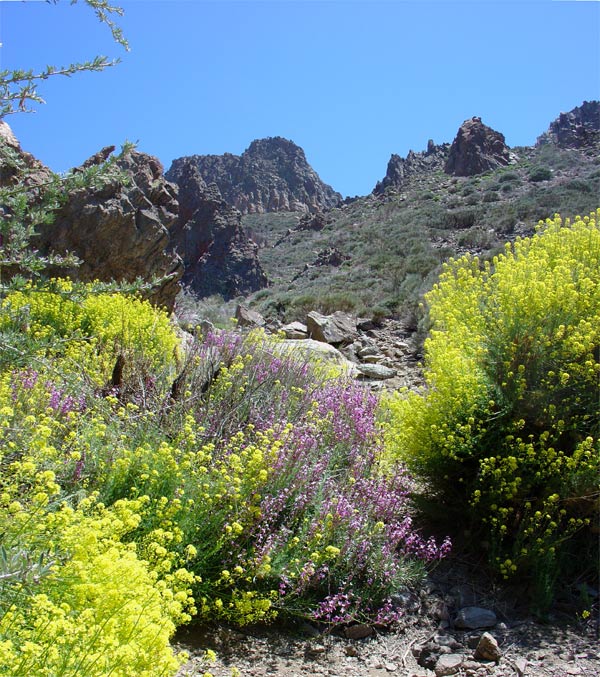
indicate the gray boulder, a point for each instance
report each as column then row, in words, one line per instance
column 336, row 329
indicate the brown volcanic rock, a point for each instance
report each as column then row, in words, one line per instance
column 400, row 169
column 272, row 175
column 121, row 231
column 578, row 128
column 219, row 257
column 476, row 149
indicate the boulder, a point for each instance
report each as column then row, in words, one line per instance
column 376, row 372
column 331, row 256
column 307, row 349
column 487, row 649
column 476, row 149
column 358, row 631
column 310, row 221
column 121, row 230
column 336, row 329
column 473, row 617
column 295, row 330
column 247, row 317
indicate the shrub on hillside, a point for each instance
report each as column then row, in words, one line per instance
column 507, row 433
column 88, row 331
column 538, row 174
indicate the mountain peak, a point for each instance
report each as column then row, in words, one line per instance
column 271, row 175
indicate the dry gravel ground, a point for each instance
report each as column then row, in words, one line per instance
column 426, row 642
column 528, row 650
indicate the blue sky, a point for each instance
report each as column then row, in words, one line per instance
column 349, row 81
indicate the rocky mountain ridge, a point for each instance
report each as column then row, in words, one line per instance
column 578, row 128
column 390, row 245
column 375, row 251
column 271, row 175
column 399, row 169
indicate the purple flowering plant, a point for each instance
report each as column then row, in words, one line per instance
column 327, row 533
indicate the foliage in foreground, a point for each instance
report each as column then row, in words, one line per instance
column 507, row 433
column 140, row 487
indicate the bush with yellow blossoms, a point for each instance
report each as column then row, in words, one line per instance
column 78, row 594
column 506, row 433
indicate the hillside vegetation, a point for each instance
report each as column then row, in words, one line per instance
column 395, row 244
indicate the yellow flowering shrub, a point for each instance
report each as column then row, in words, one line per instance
column 88, row 330
column 98, row 608
column 507, row 431
column 78, row 594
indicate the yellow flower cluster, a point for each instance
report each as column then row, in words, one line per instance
column 89, row 334
column 507, row 429
column 99, row 608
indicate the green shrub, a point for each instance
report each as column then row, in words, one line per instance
column 508, row 176
column 540, row 174
column 507, row 433
column 461, row 218
column 492, row 196
column 579, row 185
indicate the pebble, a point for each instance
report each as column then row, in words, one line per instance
column 520, row 666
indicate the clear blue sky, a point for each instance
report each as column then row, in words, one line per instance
column 349, row 81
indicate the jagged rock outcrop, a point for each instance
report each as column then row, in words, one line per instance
column 120, row 231
column 476, row 149
column 578, row 128
column 271, row 175
column 400, row 169
column 313, row 221
column 219, row 257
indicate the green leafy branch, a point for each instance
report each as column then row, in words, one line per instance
column 18, row 88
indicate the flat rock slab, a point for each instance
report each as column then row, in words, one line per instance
column 448, row 664
column 375, row 371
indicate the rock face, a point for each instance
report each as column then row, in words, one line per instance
column 578, row 128
column 218, row 256
column 399, row 169
column 120, row 231
column 476, row 149
column 272, row 175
